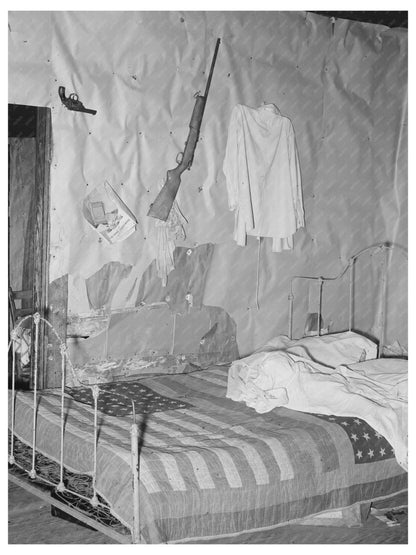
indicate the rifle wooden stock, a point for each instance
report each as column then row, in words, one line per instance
column 162, row 204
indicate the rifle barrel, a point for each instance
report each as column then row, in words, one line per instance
column 211, row 71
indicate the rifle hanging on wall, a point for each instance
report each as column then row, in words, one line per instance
column 162, row 204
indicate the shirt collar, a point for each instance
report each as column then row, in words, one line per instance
column 270, row 108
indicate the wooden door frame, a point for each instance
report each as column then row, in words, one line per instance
column 41, row 236
column 50, row 299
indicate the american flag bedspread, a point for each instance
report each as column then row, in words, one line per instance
column 211, row 467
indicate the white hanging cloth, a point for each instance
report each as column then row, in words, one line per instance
column 167, row 233
column 263, row 177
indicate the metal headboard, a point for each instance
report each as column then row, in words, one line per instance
column 385, row 247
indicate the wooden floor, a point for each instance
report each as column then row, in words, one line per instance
column 31, row 522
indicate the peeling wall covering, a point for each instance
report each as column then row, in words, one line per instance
column 186, row 283
column 102, row 285
column 344, row 86
column 153, row 336
column 169, row 327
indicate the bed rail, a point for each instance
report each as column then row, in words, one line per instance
column 60, row 486
column 385, row 248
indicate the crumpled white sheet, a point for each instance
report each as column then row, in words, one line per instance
column 278, row 378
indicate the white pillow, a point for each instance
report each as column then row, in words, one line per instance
column 388, row 373
column 330, row 350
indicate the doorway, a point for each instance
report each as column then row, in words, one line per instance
column 29, row 148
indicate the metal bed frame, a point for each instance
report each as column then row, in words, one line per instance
column 60, row 487
column 384, row 248
column 134, row 430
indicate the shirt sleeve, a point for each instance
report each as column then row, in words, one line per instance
column 295, row 178
column 230, row 164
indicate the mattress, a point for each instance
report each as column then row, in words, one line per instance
column 211, row 467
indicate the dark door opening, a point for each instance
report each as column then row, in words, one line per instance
column 29, row 148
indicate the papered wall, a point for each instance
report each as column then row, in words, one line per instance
column 343, row 85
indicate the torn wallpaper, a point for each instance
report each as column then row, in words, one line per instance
column 343, row 87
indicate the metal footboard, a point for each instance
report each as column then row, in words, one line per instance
column 60, row 486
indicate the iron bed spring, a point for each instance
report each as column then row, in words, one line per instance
column 60, row 487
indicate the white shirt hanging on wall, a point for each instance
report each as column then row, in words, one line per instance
column 262, row 170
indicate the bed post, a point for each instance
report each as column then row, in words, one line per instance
column 290, row 297
column 386, row 248
column 13, row 339
column 351, row 299
column 36, row 319
column 95, row 393
column 320, row 282
column 61, row 485
column 134, row 435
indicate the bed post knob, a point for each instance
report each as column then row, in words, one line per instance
column 60, row 487
column 95, row 391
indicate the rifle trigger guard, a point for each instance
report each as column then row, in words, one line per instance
column 179, row 157
column 198, row 93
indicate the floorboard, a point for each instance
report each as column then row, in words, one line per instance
column 31, row 522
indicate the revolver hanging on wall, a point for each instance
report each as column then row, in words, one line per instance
column 162, row 204
column 72, row 102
